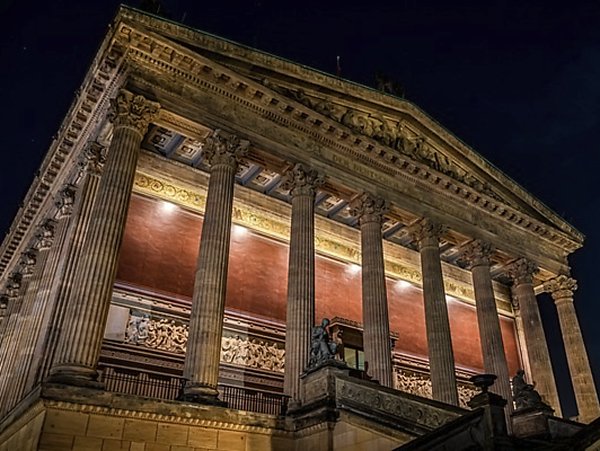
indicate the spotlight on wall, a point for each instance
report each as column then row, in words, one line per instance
column 167, row 207
column 402, row 284
column 352, row 269
column 238, row 231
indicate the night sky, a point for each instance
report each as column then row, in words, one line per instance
column 520, row 83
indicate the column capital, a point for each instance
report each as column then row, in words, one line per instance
column 561, row 287
column 427, row 232
column 302, row 181
column 92, row 159
column 369, row 208
column 477, row 253
column 222, row 148
column 132, row 111
column 65, row 201
column 27, row 261
column 522, row 271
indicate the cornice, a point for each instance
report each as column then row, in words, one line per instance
column 85, row 112
column 338, row 144
column 250, row 57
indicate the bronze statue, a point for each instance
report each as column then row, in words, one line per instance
column 322, row 348
column 525, row 395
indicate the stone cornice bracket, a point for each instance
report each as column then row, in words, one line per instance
column 427, row 232
column 92, row 159
column 65, row 201
column 222, row 148
column 133, row 111
column 45, row 235
column 477, row 253
column 561, row 288
column 27, row 261
column 522, row 271
column 302, row 181
column 369, row 208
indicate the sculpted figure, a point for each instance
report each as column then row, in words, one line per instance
column 322, row 348
column 525, row 395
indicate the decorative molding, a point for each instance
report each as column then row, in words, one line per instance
column 420, row 384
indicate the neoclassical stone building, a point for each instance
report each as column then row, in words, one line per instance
column 204, row 204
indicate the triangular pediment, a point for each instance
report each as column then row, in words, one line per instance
column 395, row 124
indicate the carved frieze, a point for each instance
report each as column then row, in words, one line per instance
column 171, row 336
column 420, row 384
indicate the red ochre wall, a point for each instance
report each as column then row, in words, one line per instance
column 159, row 254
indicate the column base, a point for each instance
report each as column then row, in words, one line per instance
column 75, row 376
column 200, row 394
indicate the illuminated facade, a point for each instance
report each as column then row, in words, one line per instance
column 308, row 197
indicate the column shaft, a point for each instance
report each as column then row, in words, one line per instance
column 85, row 321
column 439, row 339
column 376, row 325
column 201, row 368
column 301, row 277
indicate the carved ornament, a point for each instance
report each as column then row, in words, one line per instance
column 427, row 232
column 222, row 148
column 28, row 261
column 13, row 285
column 477, row 253
column 522, row 271
column 561, row 287
column 369, row 208
column 302, row 181
column 132, row 111
column 65, row 201
column 93, row 159
column 45, row 235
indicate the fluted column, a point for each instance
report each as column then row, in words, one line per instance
column 376, row 333
column 522, row 272
column 561, row 288
column 90, row 169
column 201, row 369
column 302, row 183
column 439, row 340
column 89, row 301
column 477, row 254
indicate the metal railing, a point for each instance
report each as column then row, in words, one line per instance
column 151, row 385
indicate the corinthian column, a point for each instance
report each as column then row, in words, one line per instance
column 376, row 333
column 522, row 272
column 85, row 319
column 302, row 183
column 439, row 340
column 201, row 369
column 561, row 288
column 477, row 254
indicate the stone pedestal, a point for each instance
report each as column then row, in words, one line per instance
column 439, row 340
column 561, row 288
column 537, row 349
column 85, row 320
column 300, row 318
column 201, row 368
column 376, row 331
column 477, row 255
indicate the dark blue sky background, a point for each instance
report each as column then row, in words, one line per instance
column 518, row 81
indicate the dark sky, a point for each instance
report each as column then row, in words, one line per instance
column 518, row 81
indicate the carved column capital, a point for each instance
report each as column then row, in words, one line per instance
column 65, row 201
column 477, row 253
column 561, row 287
column 222, row 148
column 427, row 232
column 92, row 159
column 27, row 261
column 132, row 111
column 302, row 181
column 45, row 235
column 522, row 271
column 369, row 208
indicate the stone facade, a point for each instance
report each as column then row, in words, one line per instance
column 132, row 308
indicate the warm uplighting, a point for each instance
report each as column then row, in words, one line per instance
column 238, row 231
column 402, row 284
column 352, row 269
column 449, row 298
column 167, row 207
